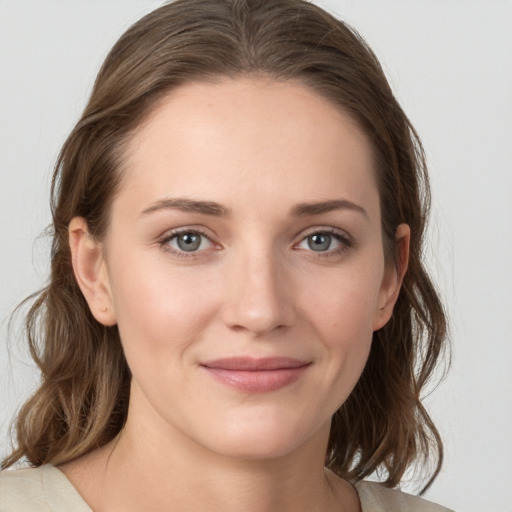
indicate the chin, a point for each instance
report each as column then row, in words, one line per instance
column 263, row 440
column 254, row 448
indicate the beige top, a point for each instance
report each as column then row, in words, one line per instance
column 46, row 489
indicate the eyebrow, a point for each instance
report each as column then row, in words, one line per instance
column 188, row 205
column 218, row 210
column 306, row 209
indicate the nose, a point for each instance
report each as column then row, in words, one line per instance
column 258, row 295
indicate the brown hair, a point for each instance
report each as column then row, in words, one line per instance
column 82, row 401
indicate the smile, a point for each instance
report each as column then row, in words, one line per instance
column 256, row 375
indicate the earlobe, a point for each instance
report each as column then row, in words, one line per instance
column 90, row 271
column 393, row 278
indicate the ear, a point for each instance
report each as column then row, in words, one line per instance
column 393, row 278
column 90, row 271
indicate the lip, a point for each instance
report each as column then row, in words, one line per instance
column 256, row 375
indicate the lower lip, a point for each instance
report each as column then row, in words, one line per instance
column 257, row 381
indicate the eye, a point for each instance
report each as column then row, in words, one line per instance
column 320, row 242
column 187, row 242
column 326, row 241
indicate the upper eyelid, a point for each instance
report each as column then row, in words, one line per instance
column 303, row 234
column 166, row 238
column 331, row 230
column 171, row 233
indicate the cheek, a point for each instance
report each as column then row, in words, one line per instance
column 344, row 303
column 160, row 311
column 342, row 316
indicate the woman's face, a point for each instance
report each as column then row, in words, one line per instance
column 244, row 264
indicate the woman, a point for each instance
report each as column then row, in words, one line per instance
column 238, row 315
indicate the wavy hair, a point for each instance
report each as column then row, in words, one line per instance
column 82, row 401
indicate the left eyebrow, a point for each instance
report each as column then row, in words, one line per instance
column 306, row 209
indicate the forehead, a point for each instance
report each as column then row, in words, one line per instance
column 240, row 137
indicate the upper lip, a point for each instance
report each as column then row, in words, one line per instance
column 251, row 364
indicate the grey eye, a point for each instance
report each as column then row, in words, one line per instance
column 319, row 242
column 188, row 242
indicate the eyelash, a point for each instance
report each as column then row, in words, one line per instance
column 164, row 242
column 344, row 240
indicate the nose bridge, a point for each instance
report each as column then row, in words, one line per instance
column 257, row 296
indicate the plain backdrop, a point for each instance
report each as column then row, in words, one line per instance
column 450, row 64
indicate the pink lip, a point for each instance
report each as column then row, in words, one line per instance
column 256, row 375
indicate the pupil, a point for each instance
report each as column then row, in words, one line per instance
column 189, row 242
column 319, row 242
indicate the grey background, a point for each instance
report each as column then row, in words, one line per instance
column 450, row 64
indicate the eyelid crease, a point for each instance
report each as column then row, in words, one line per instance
column 331, row 230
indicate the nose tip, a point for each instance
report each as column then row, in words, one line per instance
column 258, row 300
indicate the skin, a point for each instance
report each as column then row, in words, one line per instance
column 256, row 286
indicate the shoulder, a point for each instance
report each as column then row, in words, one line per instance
column 41, row 489
column 377, row 498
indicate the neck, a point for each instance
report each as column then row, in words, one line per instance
column 154, row 467
column 179, row 475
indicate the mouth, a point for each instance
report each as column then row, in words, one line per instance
column 256, row 375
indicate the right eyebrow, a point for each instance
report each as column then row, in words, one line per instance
column 188, row 205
